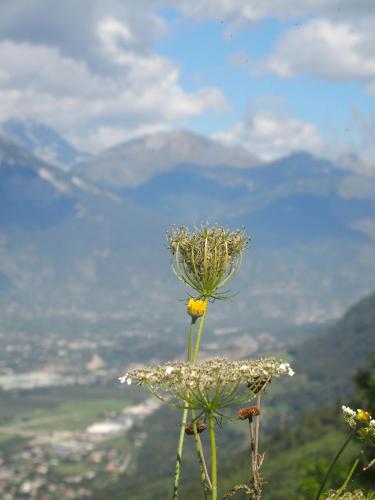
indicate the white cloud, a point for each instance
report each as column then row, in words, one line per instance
column 332, row 51
column 90, row 70
column 333, row 39
column 245, row 11
column 38, row 82
column 272, row 134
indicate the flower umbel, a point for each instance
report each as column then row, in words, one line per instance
column 211, row 386
column 206, row 258
column 361, row 421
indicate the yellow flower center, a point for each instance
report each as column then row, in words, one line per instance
column 363, row 416
column 196, row 307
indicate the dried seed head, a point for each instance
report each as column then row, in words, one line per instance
column 196, row 308
column 189, row 427
column 248, row 413
column 206, row 258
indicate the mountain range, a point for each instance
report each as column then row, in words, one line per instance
column 85, row 237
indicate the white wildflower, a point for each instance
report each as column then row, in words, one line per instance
column 221, row 381
column 286, row 368
column 129, row 381
column 348, row 411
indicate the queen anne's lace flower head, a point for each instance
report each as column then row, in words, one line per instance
column 362, row 422
column 206, row 258
column 212, row 385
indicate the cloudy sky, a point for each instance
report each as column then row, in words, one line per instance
column 272, row 75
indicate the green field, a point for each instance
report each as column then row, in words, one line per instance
column 76, row 415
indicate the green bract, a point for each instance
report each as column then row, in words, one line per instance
column 206, row 258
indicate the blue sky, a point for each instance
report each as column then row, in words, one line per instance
column 215, row 54
column 274, row 77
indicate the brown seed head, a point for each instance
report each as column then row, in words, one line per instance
column 248, row 413
column 189, row 427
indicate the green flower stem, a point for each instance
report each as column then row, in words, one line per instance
column 179, row 454
column 199, row 336
column 211, row 426
column 257, row 424
column 205, row 478
column 256, row 461
column 190, row 338
column 181, row 439
column 333, row 463
column 348, row 478
column 253, row 467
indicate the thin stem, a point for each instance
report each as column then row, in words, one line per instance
column 190, row 338
column 252, row 457
column 211, row 426
column 181, row 438
column 255, row 452
column 333, row 463
column 205, row 478
column 199, row 335
column 348, row 478
column 179, row 454
column 257, row 424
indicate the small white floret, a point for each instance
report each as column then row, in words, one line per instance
column 129, row 381
column 348, row 411
column 169, row 370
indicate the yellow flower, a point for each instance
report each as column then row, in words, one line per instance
column 363, row 417
column 196, row 307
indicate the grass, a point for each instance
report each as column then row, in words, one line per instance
column 6, row 437
column 77, row 415
column 80, row 468
column 68, row 416
column 117, row 443
column 23, row 403
column 11, row 442
column 285, row 471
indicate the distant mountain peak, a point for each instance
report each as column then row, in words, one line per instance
column 136, row 161
column 42, row 141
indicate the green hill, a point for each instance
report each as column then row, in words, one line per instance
column 330, row 359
